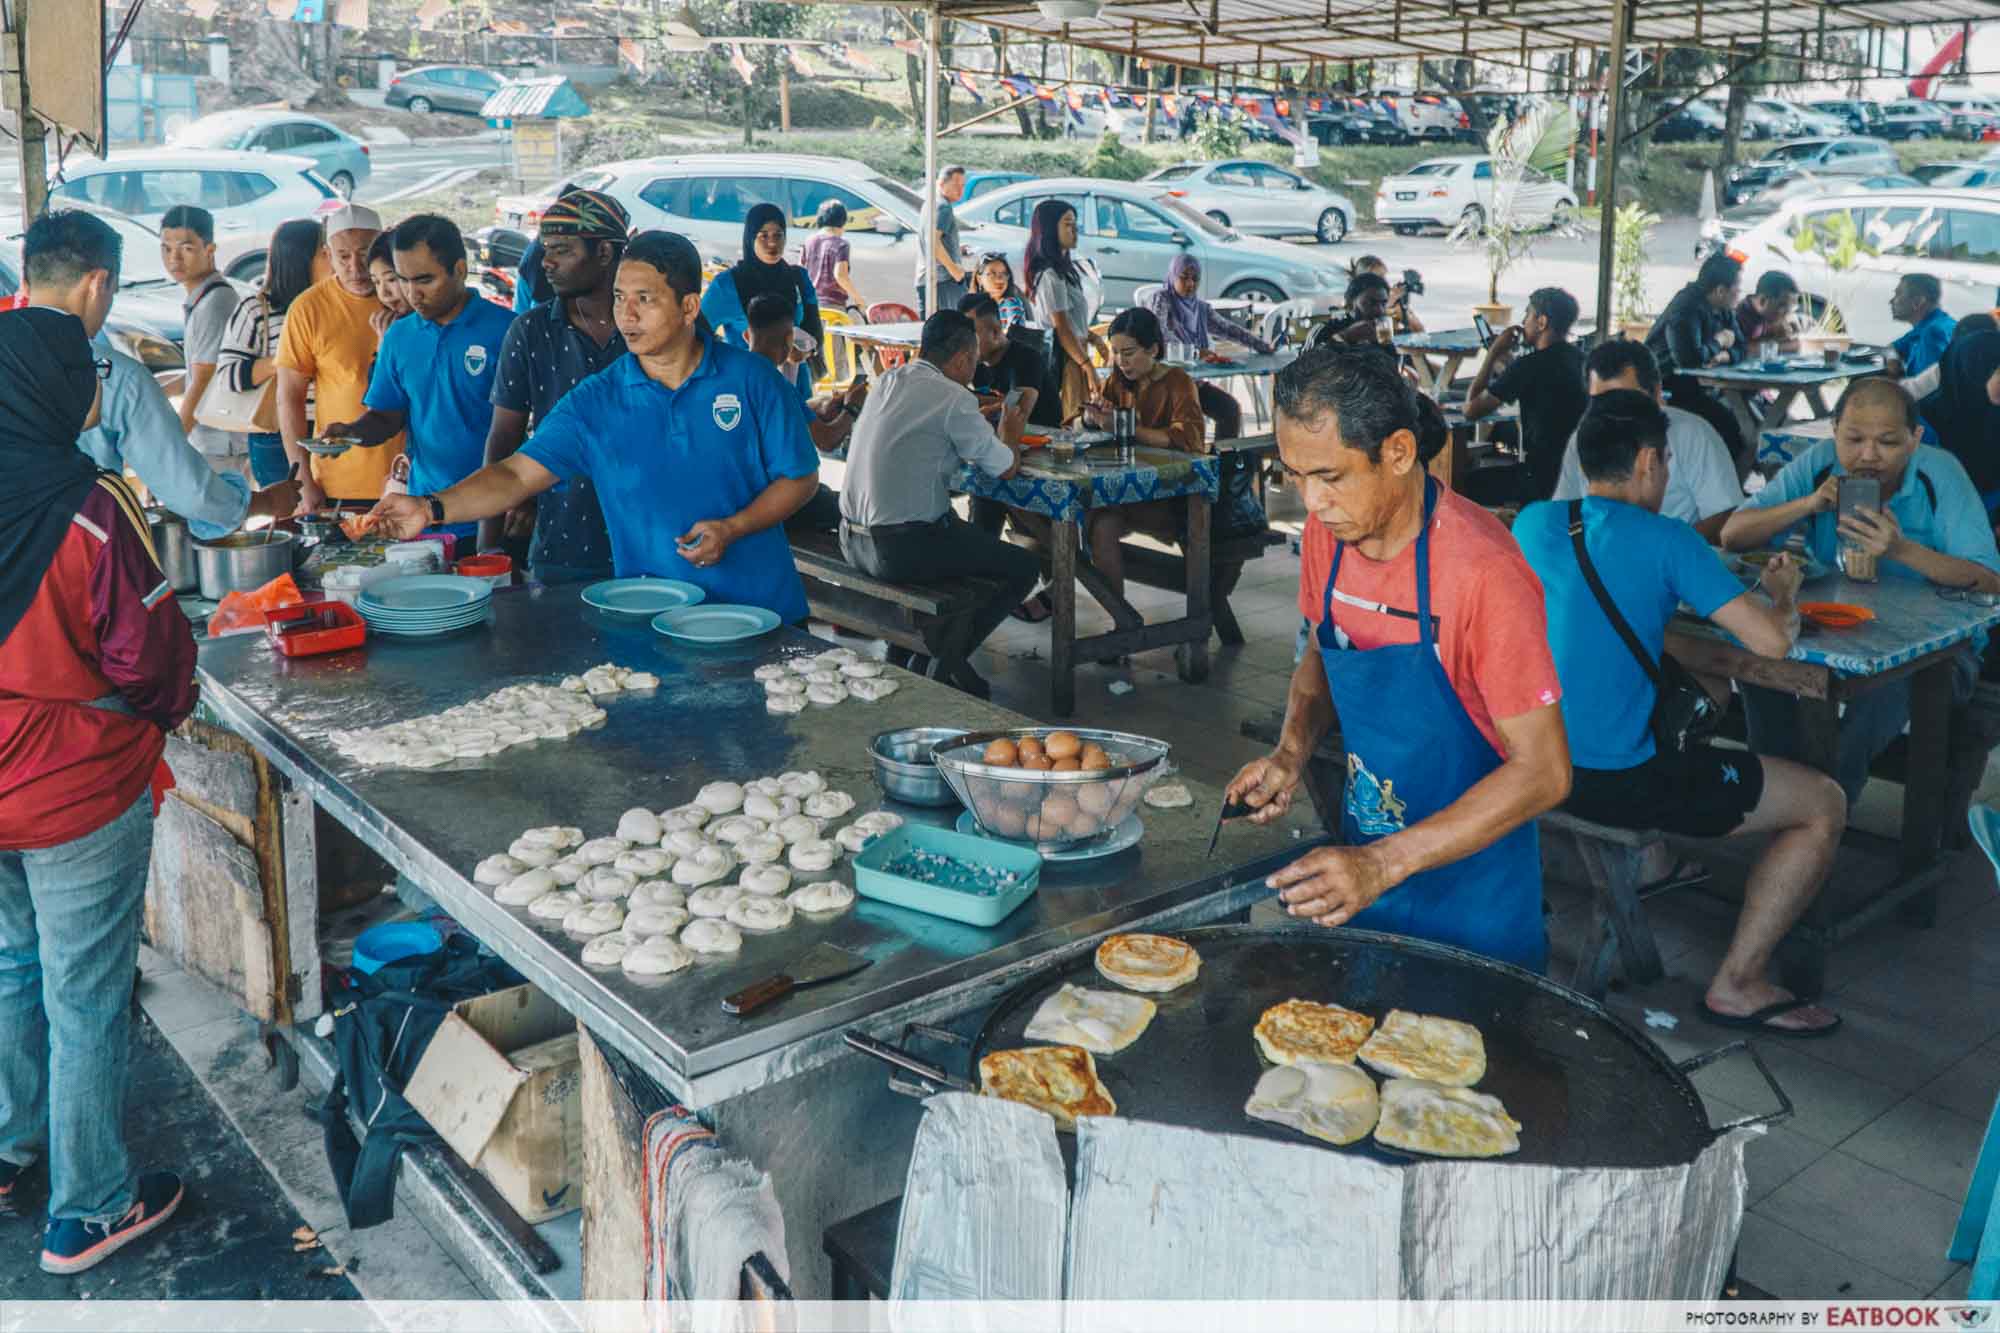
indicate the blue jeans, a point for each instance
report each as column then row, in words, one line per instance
column 269, row 464
column 69, row 941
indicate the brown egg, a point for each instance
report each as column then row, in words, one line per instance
column 1031, row 827
column 1058, row 810
column 1069, row 765
column 1037, row 761
column 1004, row 820
column 1094, row 798
column 1001, row 753
column 1095, row 760
column 1085, row 825
column 1062, row 745
column 1029, row 745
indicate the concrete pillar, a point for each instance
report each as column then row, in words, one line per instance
column 385, row 69
column 218, row 58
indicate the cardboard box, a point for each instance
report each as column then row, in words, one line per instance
column 502, row 1084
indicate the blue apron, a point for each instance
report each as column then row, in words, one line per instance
column 1412, row 750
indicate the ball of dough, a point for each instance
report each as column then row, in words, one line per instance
column 826, row 696
column 533, row 853
column 525, row 887
column 606, row 884
column 823, row 676
column 1168, row 796
column 644, row 922
column 558, row 836
column 764, row 880
column 813, row 856
column 853, row 838
column 601, row 851
column 706, row 866
column 828, row 804
column 771, row 671
column 685, row 842
column 797, row 828
column 713, row 900
column 568, row 870
column 608, row 950
column 785, row 705
column 880, row 821
column 784, row 685
column 657, row 956
column 872, row 691
column 656, row 893
column 719, row 798
column 752, row 912
column 640, row 825
column 734, row 829
column 497, row 869
column 644, row 862
column 826, row 896
column 641, row 680
column 862, row 670
column 761, row 847
column 681, row 817
column 769, row 786
column 555, row 905
column 594, row 919
column 709, row 935
column 835, row 658
column 801, row 784
column 770, row 809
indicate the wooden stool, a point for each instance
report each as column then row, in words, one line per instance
column 1620, row 937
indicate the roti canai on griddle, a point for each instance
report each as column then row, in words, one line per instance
column 1424, row 1046
column 1332, row 1102
column 1061, row 1080
column 1300, row 1030
column 1100, row 1021
column 1444, row 1122
column 1153, row 963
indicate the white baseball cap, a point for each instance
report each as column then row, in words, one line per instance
column 352, row 217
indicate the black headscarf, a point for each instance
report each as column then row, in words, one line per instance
column 755, row 278
column 1966, row 421
column 48, row 380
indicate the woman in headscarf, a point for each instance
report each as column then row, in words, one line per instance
column 1060, row 302
column 1186, row 318
column 762, row 269
column 96, row 665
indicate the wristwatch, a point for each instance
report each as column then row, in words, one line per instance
column 437, row 508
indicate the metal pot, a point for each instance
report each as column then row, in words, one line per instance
column 904, row 768
column 242, row 561
column 175, row 547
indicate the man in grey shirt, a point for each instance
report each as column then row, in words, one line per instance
column 944, row 245
column 921, row 425
column 187, row 249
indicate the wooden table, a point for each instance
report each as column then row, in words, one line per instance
column 1453, row 345
column 872, row 338
column 1738, row 386
column 1065, row 490
column 1915, row 633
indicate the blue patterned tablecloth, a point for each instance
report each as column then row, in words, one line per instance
column 1781, row 446
column 1256, row 366
column 1069, row 488
column 1911, row 621
column 1748, row 377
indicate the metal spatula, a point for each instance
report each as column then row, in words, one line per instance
column 823, row 963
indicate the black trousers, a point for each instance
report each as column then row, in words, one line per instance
column 1686, row 393
column 1222, row 408
column 949, row 547
column 819, row 514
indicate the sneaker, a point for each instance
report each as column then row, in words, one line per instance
column 13, row 1188
column 72, row 1245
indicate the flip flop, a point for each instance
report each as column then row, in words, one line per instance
column 1759, row 1021
column 1035, row 610
column 1686, row 874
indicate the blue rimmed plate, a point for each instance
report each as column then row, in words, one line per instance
column 641, row 598
column 420, row 593
column 715, row 622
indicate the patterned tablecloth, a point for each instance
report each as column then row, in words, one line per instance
column 1067, row 488
column 1450, row 342
column 1794, row 376
column 1911, row 621
column 1781, row 446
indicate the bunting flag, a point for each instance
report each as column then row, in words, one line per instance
column 430, row 12
column 1045, row 93
column 1016, row 85
column 1171, row 105
column 908, row 46
column 854, row 59
column 741, row 64
column 632, row 54
column 1104, row 96
column 799, row 65
column 1075, row 99
column 964, row 80
column 507, row 28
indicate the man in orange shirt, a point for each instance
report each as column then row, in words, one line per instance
column 329, row 343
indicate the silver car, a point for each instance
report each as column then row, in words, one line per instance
column 1133, row 230
column 338, row 156
column 1259, row 198
column 246, row 192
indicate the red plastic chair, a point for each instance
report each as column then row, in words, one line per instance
column 891, row 312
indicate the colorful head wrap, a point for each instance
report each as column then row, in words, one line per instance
column 590, row 214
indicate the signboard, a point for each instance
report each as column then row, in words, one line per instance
column 66, row 67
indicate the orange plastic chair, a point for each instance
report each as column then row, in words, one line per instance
column 891, row 312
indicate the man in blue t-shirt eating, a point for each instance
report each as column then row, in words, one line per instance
column 1648, row 565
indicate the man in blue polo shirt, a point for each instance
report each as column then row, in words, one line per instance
column 1917, row 301
column 434, row 373
column 698, row 450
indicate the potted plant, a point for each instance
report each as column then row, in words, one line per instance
column 1839, row 244
column 1632, row 238
column 1525, row 153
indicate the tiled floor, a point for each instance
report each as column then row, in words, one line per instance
column 1858, row 1193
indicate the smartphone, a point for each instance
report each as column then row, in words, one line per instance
column 1859, row 493
column 861, row 379
column 1485, row 328
column 1013, row 397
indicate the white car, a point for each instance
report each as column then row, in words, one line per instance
column 1951, row 234
column 1258, row 198
column 1445, row 191
column 1799, row 121
column 1424, row 115
column 246, row 192
column 706, row 196
column 1132, row 230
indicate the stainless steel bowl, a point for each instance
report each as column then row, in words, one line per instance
column 175, row 547
column 242, row 561
column 903, row 765
column 1053, row 809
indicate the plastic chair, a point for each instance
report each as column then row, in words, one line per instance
column 836, row 351
column 1977, row 1239
column 1142, row 298
column 890, row 312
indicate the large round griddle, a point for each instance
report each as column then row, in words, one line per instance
column 1588, row 1089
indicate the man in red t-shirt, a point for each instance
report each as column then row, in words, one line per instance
column 1432, row 656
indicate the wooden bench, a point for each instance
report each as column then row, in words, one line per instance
column 1155, row 568
column 933, row 617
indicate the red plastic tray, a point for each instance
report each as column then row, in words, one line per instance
column 349, row 630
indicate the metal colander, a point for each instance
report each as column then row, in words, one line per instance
column 1053, row 810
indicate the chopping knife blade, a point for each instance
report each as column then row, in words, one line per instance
column 1230, row 810
column 826, row 962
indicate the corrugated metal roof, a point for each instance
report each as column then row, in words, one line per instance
column 532, row 99
column 1247, row 32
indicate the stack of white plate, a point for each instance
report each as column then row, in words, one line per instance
column 423, row 606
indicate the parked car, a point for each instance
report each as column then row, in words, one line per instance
column 1951, row 234
column 1859, row 117
column 1445, row 191
column 247, row 192
column 336, row 155
column 706, row 196
column 1965, row 176
column 1821, row 157
column 146, row 320
column 1259, row 198
column 979, row 182
column 1697, row 122
column 1914, row 121
column 1720, row 233
column 431, row 88
column 1133, row 230
column 1974, row 121
column 1425, row 115
column 1759, row 123
column 1796, row 120
column 1351, row 120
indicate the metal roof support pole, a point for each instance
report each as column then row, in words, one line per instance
column 929, row 243
column 1607, row 186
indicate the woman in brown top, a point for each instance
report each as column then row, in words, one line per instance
column 1168, row 411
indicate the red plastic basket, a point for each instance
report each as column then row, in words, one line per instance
column 346, row 628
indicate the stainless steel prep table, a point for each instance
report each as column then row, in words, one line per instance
column 705, row 721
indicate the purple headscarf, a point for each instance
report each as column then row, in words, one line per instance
column 1183, row 319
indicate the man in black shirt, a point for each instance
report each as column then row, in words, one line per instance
column 1697, row 330
column 1003, row 365
column 1547, row 382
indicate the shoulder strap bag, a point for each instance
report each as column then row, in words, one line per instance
column 242, row 411
column 1683, row 711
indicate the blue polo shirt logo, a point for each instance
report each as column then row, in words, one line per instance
column 727, row 411
column 475, row 359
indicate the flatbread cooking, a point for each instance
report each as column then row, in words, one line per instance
column 1424, row 1046
column 1100, row 1021
column 1154, row 963
column 1304, row 1030
column 1061, row 1080
column 1337, row 1103
column 1444, row 1122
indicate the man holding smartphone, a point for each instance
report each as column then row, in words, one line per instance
column 1547, row 383
column 1927, row 523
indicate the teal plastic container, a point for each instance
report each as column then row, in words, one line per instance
column 976, row 904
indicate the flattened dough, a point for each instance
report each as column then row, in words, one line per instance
column 1101, row 1021
column 1305, row 1031
column 1168, row 796
column 1151, row 963
column 1419, row 1116
column 829, row 895
column 1426, row 1047
column 1061, row 1080
column 1337, row 1103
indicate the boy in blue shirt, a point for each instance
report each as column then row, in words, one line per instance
column 1648, row 565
